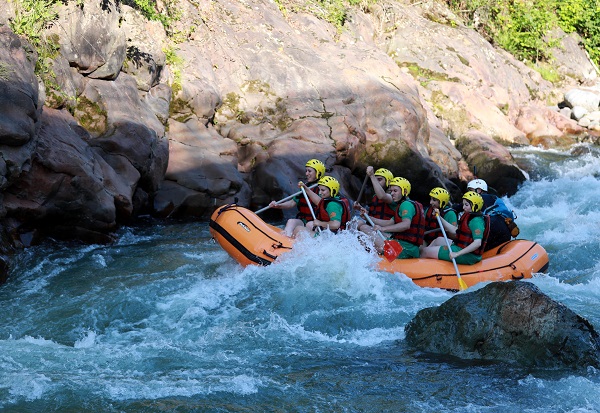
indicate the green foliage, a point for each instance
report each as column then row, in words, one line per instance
column 148, row 9
column 5, row 71
column 31, row 19
column 582, row 17
column 176, row 63
column 522, row 27
column 333, row 11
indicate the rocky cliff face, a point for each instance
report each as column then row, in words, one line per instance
column 138, row 123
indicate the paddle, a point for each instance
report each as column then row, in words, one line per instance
column 310, row 207
column 461, row 284
column 362, row 189
column 391, row 249
column 287, row 198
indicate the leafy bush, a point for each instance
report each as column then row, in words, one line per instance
column 522, row 27
column 31, row 19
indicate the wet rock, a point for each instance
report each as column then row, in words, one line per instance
column 514, row 322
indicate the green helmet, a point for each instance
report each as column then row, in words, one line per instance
column 402, row 183
column 385, row 174
column 475, row 199
column 441, row 195
column 318, row 166
column 331, row 183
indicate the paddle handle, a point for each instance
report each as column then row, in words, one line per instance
column 362, row 189
column 312, row 212
column 370, row 221
column 287, row 198
column 439, row 220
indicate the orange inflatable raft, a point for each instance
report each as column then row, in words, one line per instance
column 250, row 240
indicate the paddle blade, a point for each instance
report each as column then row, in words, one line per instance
column 391, row 250
column 461, row 284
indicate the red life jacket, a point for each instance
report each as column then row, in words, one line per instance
column 431, row 223
column 322, row 214
column 464, row 237
column 303, row 209
column 380, row 209
column 415, row 233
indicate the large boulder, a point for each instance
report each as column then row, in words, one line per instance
column 513, row 322
column 145, row 58
column 126, row 129
column 70, row 190
column 546, row 127
column 491, row 162
column 202, row 172
column 91, row 37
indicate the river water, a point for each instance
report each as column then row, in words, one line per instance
column 165, row 321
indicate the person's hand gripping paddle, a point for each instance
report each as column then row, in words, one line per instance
column 391, row 249
column 461, row 284
column 312, row 212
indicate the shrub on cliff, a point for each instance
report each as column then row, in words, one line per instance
column 522, row 26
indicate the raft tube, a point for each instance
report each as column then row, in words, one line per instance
column 251, row 241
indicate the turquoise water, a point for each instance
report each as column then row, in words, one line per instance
column 165, row 321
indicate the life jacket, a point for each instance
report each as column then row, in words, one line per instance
column 380, row 209
column 303, row 209
column 431, row 222
column 464, row 237
column 415, row 233
column 322, row 214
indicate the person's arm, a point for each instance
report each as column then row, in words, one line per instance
column 448, row 227
column 408, row 211
column 333, row 225
column 314, row 198
column 451, row 218
column 284, row 205
column 382, row 222
column 399, row 227
column 469, row 248
column 379, row 191
column 334, row 212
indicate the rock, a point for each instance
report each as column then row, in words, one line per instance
column 547, row 127
column 492, row 162
column 513, row 322
column 126, row 130
column 145, row 59
column 91, row 38
column 586, row 98
column 69, row 190
column 571, row 58
column 578, row 112
column 20, row 105
column 196, row 92
column 201, row 174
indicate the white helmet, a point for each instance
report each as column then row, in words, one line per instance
column 477, row 184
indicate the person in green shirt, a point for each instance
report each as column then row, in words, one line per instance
column 408, row 224
column 333, row 210
column 439, row 201
column 470, row 235
column 314, row 170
